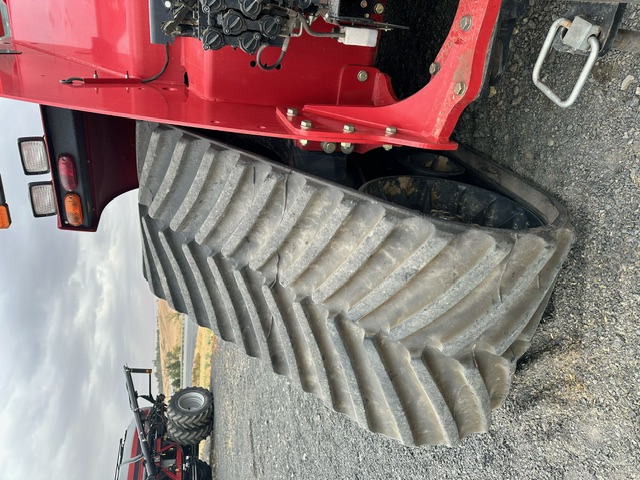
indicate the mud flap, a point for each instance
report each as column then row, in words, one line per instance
column 408, row 324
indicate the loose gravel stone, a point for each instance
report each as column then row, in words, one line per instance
column 626, row 83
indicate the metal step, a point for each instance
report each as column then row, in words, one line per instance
column 408, row 324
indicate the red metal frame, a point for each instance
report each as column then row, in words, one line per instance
column 318, row 77
column 161, row 447
column 179, row 458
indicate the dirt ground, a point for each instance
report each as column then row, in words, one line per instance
column 169, row 337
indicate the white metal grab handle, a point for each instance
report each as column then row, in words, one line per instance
column 594, row 49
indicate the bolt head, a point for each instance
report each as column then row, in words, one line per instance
column 329, row 147
column 304, row 142
column 466, row 22
column 459, row 88
column 306, row 124
column 167, row 4
column 363, row 76
column 434, row 68
column 378, row 8
column 347, row 148
column 390, row 131
column 292, row 112
column 387, row 147
column 363, row 4
column 348, row 128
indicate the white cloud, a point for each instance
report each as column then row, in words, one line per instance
column 96, row 313
column 74, row 308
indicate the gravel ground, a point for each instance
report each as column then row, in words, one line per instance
column 574, row 408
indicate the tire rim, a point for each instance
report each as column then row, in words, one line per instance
column 191, row 401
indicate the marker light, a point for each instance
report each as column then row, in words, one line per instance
column 5, row 218
column 67, row 172
column 33, row 153
column 73, row 209
column 43, row 202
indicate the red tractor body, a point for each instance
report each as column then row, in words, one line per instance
column 106, row 48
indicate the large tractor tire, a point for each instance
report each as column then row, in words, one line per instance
column 409, row 324
column 191, row 408
column 188, row 436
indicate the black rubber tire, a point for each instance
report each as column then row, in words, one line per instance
column 451, row 200
column 191, row 407
column 185, row 436
column 203, row 471
column 410, row 325
column 421, row 162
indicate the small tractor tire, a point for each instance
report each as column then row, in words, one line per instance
column 186, row 436
column 191, row 408
column 203, row 471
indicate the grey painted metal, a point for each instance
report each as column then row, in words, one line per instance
column 408, row 324
column 594, row 48
column 191, row 400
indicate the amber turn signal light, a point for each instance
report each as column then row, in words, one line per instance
column 5, row 217
column 73, row 209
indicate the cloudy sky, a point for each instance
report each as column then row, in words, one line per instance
column 74, row 308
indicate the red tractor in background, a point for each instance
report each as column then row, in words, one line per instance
column 161, row 443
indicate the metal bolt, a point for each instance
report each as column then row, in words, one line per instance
column 390, row 131
column 387, row 147
column 304, row 142
column 363, row 76
column 167, row 4
column 378, row 8
column 363, row 4
column 347, row 148
column 306, row 124
column 434, row 68
column 348, row 128
column 466, row 22
column 459, row 88
column 329, row 147
column 292, row 112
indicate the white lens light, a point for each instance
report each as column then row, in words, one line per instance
column 43, row 202
column 33, row 152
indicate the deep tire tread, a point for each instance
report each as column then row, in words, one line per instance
column 185, row 436
column 407, row 324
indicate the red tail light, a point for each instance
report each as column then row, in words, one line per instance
column 67, row 172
